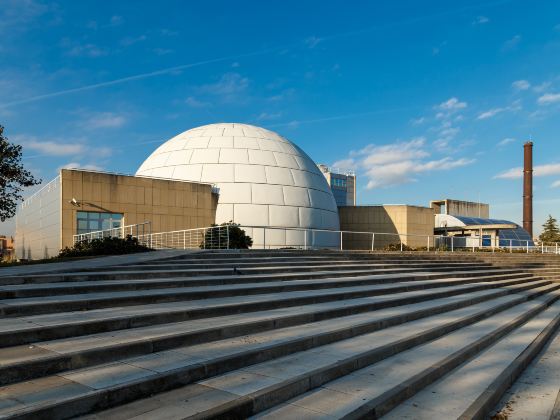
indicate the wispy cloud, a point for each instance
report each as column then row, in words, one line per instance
column 105, row 120
column 195, row 103
column 451, row 105
column 75, row 147
column 521, row 85
column 230, row 88
column 312, row 41
column 512, row 43
column 539, row 170
column 515, row 106
column 268, row 116
column 555, row 184
column 549, row 98
column 398, row 163
column 490, row 113
column 78, row 49
column 131, row 40
column 505, row 142
column 480, row 20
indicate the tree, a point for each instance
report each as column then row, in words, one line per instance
column 13, row 177
column 227, row 235
column 550, row 232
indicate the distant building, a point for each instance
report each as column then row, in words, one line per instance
column 342, row 183
column 461, row 208
column 6, row 248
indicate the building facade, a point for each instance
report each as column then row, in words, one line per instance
column 79, row 201
column 342, row 184
column 393, row 223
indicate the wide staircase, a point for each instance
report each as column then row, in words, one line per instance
column 285, row 334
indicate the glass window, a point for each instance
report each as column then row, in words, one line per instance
column 92, row 221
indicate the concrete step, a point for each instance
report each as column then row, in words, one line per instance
column 375, row 390
column 79, row 302
column 22, row 330
column 269, row 265
column 245, row 391
column 535, row 395
column 25, row 362
column 115, row 274
column 80, row 391
column 60, row 288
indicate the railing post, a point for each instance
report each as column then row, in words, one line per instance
column 227, row 234
column 305, row 239
column 428, row 247
column 264, row 238
column 527, row 247
column 400, row 239
column 372, row 241
column 341, row 240
column 452, row 245
column 542, row 247
column 510, row 246
column 184, row 240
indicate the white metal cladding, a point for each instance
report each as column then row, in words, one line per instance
column 263, row 178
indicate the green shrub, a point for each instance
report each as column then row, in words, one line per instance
column 218, row 238
column 104, row 246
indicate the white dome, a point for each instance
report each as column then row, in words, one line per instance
column 263, row 178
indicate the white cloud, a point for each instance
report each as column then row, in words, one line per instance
column 397, row 163
column 555, row 184
column 131, row 40
column 480, row 20
column 452, row 104
column 53, row 148
column 77, row 49
column 312, row 41
column 521, row 85
column 77, row 147
column 490, row 113
column 105, row 120
column 418, row 121
column 506, row 141
column 267, row 116
column 195, row 103
column 116, row 20
column 539, row 170
column 548, row 98
column 230, row 88
column 542, row 87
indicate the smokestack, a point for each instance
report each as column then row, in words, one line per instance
column 528, row 187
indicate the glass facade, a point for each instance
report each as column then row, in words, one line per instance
column 92, row 221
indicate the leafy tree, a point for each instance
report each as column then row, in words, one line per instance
column 218, row 238
column 550, row 232
column 13, row 177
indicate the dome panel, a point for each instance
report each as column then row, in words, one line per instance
column 263, row 178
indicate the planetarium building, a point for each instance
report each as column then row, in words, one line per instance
column 211, row 174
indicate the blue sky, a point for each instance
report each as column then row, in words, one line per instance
column 425, row 100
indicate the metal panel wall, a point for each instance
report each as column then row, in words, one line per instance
column 38, row 223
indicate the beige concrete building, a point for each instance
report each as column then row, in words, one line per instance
column 79, row 201
column 393, row 220
column 461, row 208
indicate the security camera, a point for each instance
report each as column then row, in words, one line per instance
column 74, row 202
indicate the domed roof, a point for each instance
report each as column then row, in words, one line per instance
column 263, row 178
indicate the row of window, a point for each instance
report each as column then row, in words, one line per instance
column 91, row 221
column 338, row 182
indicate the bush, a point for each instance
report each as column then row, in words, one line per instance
column 397, row 247
column 218, row 238
column 104, row 246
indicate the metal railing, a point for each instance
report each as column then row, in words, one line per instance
column 214, row 237
column 218, row 237
column 137, row 230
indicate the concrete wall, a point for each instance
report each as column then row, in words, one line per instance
column 388, row 222
column 462, row 208
column 168, row 205
column 38, row 223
